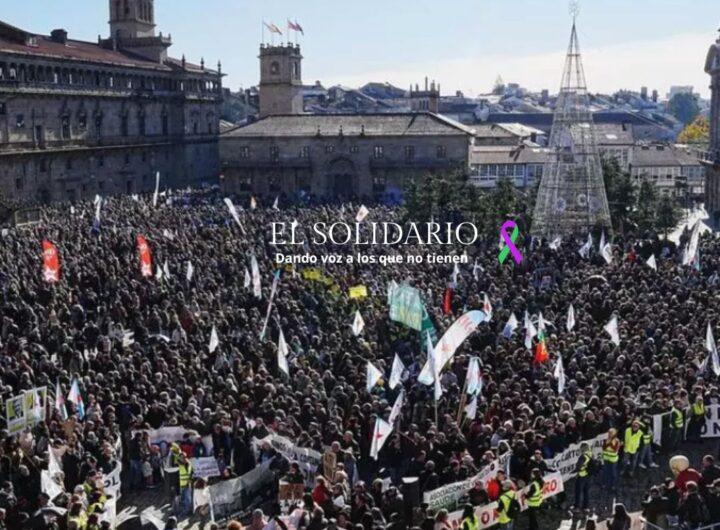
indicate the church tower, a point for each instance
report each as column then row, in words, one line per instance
column 132, row 28
column 280, row 80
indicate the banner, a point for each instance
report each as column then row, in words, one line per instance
column 15, row 414
column 34, row 405
column 359, row 291
column 311, row 274
column 205, row 467
column 164, row 436
column 309, row 460
column 51, row 262
column 233, row 495
column 711, row 429
column 488, row 515
column 111, row 482
column 565, row 462
column 145, row 257
column 406, row 306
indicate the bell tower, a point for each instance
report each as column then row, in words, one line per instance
column 132, row 28
column 280, row 80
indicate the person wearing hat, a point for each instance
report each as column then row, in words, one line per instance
column 631, row 447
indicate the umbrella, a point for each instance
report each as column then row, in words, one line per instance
column 142, row 521
column 597, row 279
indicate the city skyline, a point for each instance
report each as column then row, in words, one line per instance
column 464, row 46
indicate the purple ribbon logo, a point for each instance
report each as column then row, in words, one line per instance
column 509, row 242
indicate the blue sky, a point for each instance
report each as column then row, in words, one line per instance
column 463, row 44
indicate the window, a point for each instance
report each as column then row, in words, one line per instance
column 295, row 71
column 82, row 121
column 42, row 165
column 20, row 121
column 378, row 152
column 123, row 125
column 144, row 156
column 329, row 149
column 409, row 152
column 101, row 161
column 68, row 163
column 441, row 151
column 98, row 126
column 379, row 183
column 101, row 185
column 245, row 152
column 274, row 183
column 3, row 108
column 354, row 149
column 245, row 182
column 65, row 131
column 275, row 68
column 305, row 152
column 165, row 124
column 274, row 153
column 127, row 159
column 18, row 184
column 141, row 124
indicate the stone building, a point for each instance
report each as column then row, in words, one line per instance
column 83, row 118
column 712, row 157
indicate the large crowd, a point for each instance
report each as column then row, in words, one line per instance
column 166, row 375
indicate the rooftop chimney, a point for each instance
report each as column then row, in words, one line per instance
column 59, row 36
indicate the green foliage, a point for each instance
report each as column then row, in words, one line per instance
column 620, row 191
column 684, row 107
column 698, row 132
column 668, row 214
column 646, row 209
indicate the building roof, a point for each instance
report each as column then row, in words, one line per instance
column 385, row 124
column 17, row 41
column 510, row 155
column 657, row 155
column 614, row 133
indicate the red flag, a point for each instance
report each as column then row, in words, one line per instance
column 145, row 257
column 541, row 353
column 51, row 262
column 273, row 28
column 447, row 300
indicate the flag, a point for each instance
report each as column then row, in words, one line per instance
column 455, row 273
column 167, row 234
column 359, row 291
column 214, row 340
column 585, row 249
column 257, row 288
column 282, row 354
column 447, row 301
column 273, row 28
column 510, row 327
column 295, row 27
column 76, row 398
column 273, row 290
column 275, row 204
column 98, row 205
column 396, row 373
column 570, row 318
column 380, row 436
column 612, row 329
column 362, row 214
column 696, row 260
column 60, row 402
column 247, row 280
column 159, row 274
column 145, row 257
column 530, row 331
column 487, row 307
column 471, row 408
column 473, row 376
column 651, row 262
column 51, row 262
column 166, row 269
column 555, row 243
column 541, row 353
column 253, row 203
column 477, row 268
column 559, row 374
column 373, row 375
column 190, row 271
column 397, row 407
column 601, row 246
column 434, row 368
column 606, row 252
column 712, row 349
column 358, row 324
column 157, row 189
column 234, row 213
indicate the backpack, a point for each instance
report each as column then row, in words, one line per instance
column 513, row 508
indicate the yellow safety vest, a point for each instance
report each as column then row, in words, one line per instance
column 184, row 471
column 504, row 502
column 584, row 471
column 610, row 455
column 677, row 419
column 632, row 441
column 698, row 409
column 536, row 499
column 472, row 523
column 647, row 437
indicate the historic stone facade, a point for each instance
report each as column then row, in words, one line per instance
column 281, row 88
column 80, row 118
column 712, row 160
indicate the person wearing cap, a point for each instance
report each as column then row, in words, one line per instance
column 506, row 498
column 631, row 447
column 611, row 458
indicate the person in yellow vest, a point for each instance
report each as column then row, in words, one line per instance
column 677, row 426
column 507, row 506
column 76, row 516
column 631, row 447
column 469, row 519
column 582, row 482
column 534, row 497
column 697, row 420
column 185, row 485
column 646, row 454
column 611, row 461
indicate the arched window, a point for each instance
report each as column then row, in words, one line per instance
column 274, row 67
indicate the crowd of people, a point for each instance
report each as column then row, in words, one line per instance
column 53, row 333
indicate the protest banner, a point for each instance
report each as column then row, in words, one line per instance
column 309, row 460
column 205, row 467
column 232, row 495
column 359, row 291
column 711, row 429
column 566, row 461
column 164, row 436
column 406, row 306
column 112, row 482
column 34, row 405
column 15, row 414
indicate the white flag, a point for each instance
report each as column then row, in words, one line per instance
column 651, row 262
column 189, row 272
column 530, row 331
column 380, row 436
column 559, row 374
column 275, row 204
column 253, row 203
column 282, row 354
column 234, row 213
column 473, row 376
column 166, row 269
column 214, row 340
column 477, row 268
column 455, row 273
column 555, row 243
column 434, row 368
column 712, row 348
column 471, row 408
column 397, row 407
column 510, row 327
column 396, row 373
column 257, row 288
column 97, row 199
column 606, row 253
column 72, row 210
column 602, row 241
column 487, row 307
column 157, row 189
column 247, row 281
column 358, row 324
column 372, row 377
column 159, row 274
column 168, row 235
column 612, row 329
column 570, row 318
column 585, row 249
column 362, row 214
column 98, row 205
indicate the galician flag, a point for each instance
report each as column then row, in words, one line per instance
column 282, row 355
column 530, row 331
column 380, row 435
column 434, row 368
column 75, row 397
column 487, row 307
column 473, row 376
column 651, row 262
column 712, row 349
column 214, row 340
column 471, row 408
column 60, row 402
column 358, row 324
column 372, row 377
column 396, row 373
column 510, row 327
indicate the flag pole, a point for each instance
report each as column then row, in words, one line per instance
column 463, row 400
column 262, row 27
